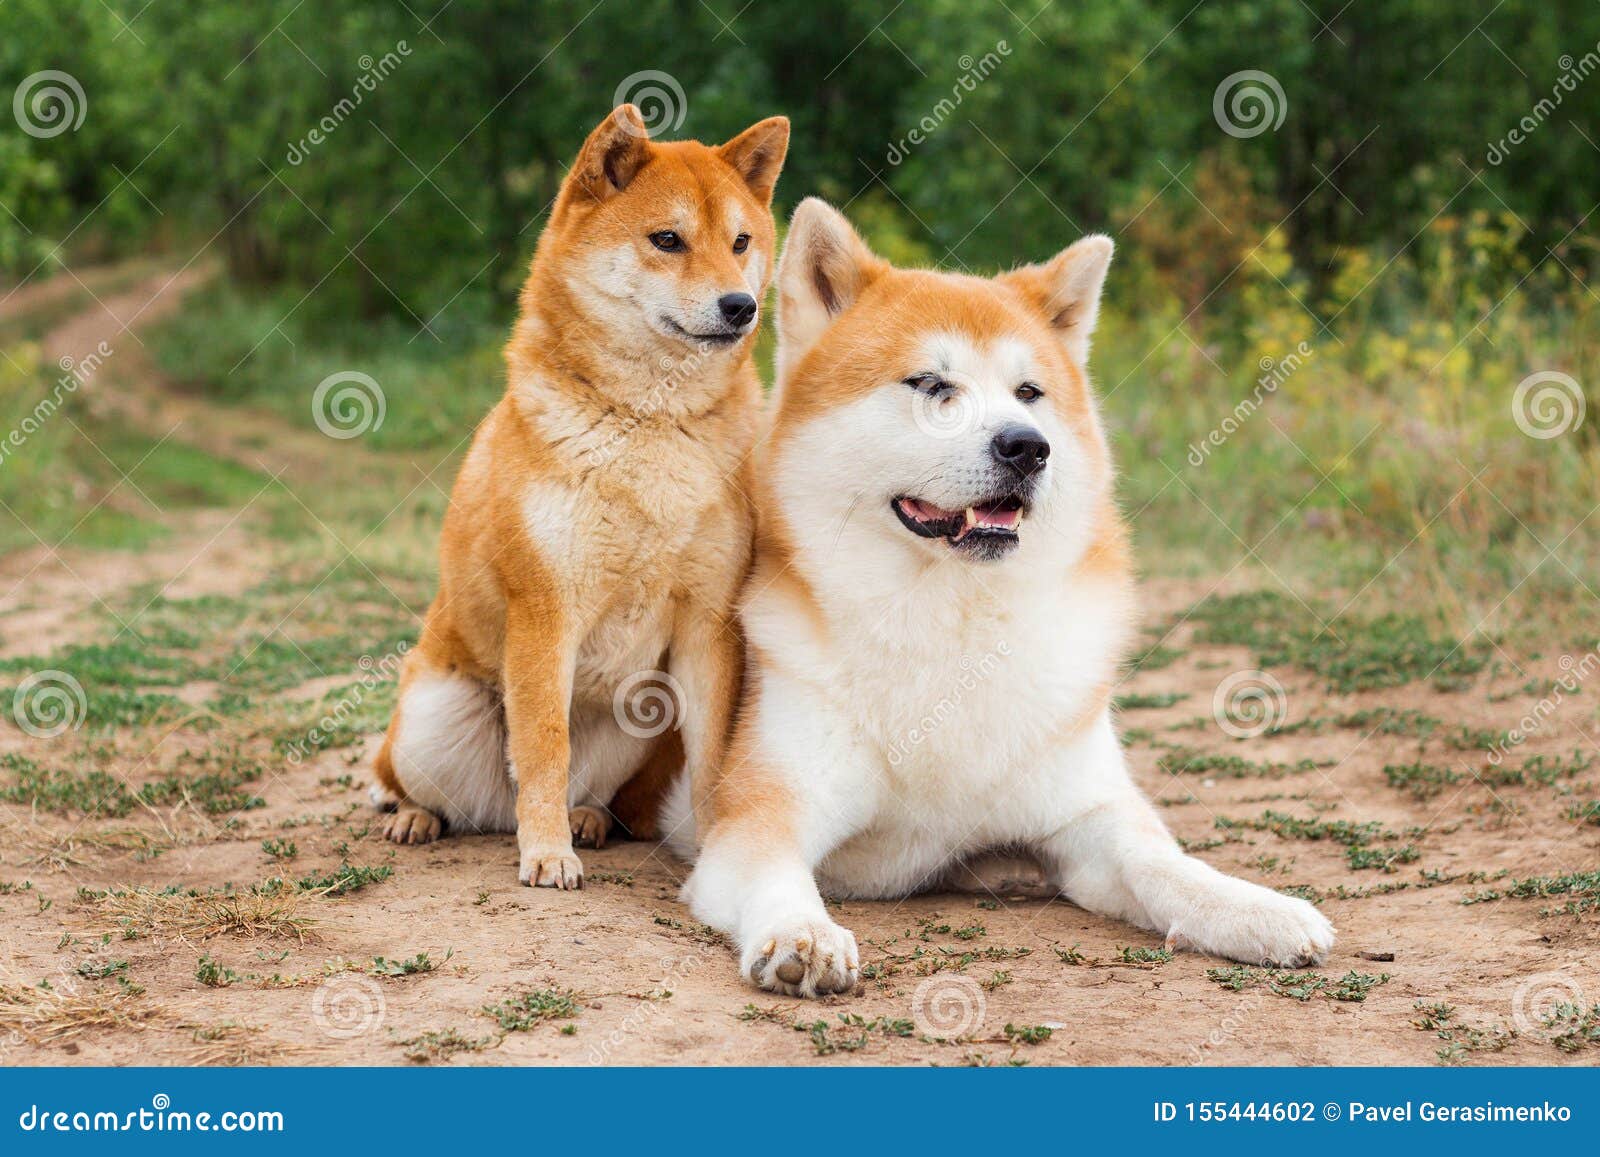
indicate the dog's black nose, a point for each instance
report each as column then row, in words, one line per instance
column 1022, row 448
column 737, row 308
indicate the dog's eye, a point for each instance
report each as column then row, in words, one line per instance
column 667, row 241
column 928, row 383
column 741, row 243
column 1028, row 392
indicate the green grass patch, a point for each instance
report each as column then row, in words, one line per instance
column 1391, row 721
column 1191, row 761
column 434, row 391
column 1351, row 653
column 83, row 480
column 1358, row 838
column 1028, row 1034
column 344, row 879
column 1302, row 986
column 853, row 1032
column 1421, row 781
column 1588, row 813
column 1581, row 888
column 1573, row 1027
column 102, row 969
column 523, row 1012
column 417, row 965
column 1144, row 955
column 428, row 1047
column 1149, row 702
column 1152, row 658
column 96, row 793
column 1460, row 1040
column 90, row 793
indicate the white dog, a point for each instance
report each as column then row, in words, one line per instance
column 941, row 597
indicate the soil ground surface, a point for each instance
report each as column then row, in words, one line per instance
column 175, row 888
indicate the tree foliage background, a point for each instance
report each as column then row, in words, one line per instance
column 429, row 190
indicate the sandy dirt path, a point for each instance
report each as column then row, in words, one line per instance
column 621, row 973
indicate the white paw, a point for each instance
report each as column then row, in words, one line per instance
column 1255, row 925
column 804, row 957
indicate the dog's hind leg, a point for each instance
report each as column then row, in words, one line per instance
column 1000, row 874
column 590, row 826
column 443, row 761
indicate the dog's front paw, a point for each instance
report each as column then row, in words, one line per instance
column 804, row 957
column 1255, row 925
column 551, row 868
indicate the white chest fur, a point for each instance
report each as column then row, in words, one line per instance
column 959, row 699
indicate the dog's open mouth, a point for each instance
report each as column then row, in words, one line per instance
column 986, row 530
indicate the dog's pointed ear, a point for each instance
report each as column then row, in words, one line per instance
column 613, row 155
column 824, row 267
column 1066, row 289
column 757, row 154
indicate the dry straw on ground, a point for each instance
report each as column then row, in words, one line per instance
column 202, row 915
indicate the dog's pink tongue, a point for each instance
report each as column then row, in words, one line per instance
column 999, row 519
